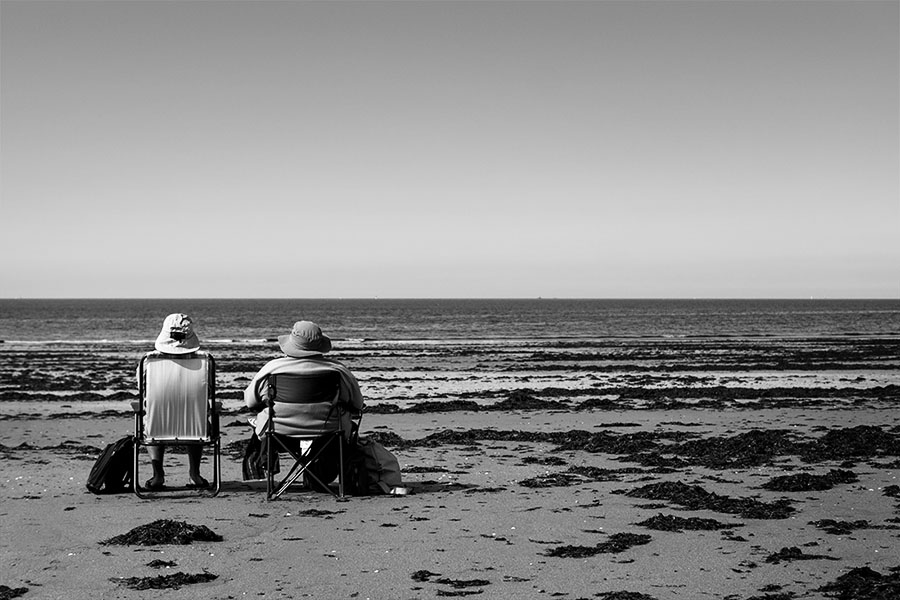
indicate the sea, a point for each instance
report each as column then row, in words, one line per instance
column 79, row 356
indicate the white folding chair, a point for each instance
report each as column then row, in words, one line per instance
column 177, row 408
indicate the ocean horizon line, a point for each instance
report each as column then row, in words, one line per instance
column 472, row 298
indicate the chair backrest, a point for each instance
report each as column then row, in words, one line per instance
column 177, row 395
column 302, row 404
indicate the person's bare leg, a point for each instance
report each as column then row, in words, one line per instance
column 156, row 460
column 195, row 453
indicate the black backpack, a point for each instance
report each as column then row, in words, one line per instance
column 112, row 472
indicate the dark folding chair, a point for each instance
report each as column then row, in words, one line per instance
column 307, row 420
column 177, row 408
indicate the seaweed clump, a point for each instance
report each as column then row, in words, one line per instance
column 862, row 441
column 164, row 531
column 794, row 553
column 8, row 593
column 618, row 542
column 864, row 583
column 608, row 443
column 804, row 482
column 551, row 480
column 519, row 400
column 164, row 582
column 751, row 449
column 663, row 522
column 623, row 596
column 840, row 527
column 694, row 497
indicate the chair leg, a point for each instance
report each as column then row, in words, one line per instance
column 270, row 478
column 340, row 465
column 135, row 470
column 292, row 476
column 217, row 468
column 302, row 466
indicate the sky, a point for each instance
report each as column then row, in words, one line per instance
column 637, row 149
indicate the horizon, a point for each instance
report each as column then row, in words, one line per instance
column 465, row 298
column 684, row 149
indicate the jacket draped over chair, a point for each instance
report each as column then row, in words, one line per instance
column 293, row 418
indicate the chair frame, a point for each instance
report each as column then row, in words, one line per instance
column 276, row 442
column 212, row 439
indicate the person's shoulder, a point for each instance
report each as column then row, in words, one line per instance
column 331, row 362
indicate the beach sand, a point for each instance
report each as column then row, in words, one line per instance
column 499, row 510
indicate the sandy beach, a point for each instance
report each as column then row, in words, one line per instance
column 778, row 502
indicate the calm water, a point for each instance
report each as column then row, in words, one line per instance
column 247, row 320
column 76, row 355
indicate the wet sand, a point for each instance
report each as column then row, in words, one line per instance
column 771, row 497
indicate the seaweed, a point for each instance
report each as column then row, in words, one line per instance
column 751, row 449
column 608, row 443
column 552, row 461
column 519, row 400
column 386, row 438
column 840, row 527
column 804, row 482
column 695, row 497
column 459, row 585
column 161, row 564
column 657, row 460
column 164, row 531
column 425, row 469
column 435, row 406
column 663, row 522
column 462, row 583
column 551, row 480
column 316, row 512
column 8, row 593
column 618, row 542
column 852, row 442
column 599, row 474
column 164, row 582
column 864, row 583
column 623, row 596
column 794, row 553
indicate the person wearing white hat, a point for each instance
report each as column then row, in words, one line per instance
column 176, row 337
column 304, row 348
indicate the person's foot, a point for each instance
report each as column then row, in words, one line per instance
column 155, row 483
column 198, row 482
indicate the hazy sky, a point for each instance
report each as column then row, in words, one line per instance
column 450, row 149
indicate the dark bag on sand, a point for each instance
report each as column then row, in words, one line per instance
column 254, row 461
column 372, row 469
column 112, row 472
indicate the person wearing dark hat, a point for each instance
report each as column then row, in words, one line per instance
column 304, row 348
column 176, row 338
